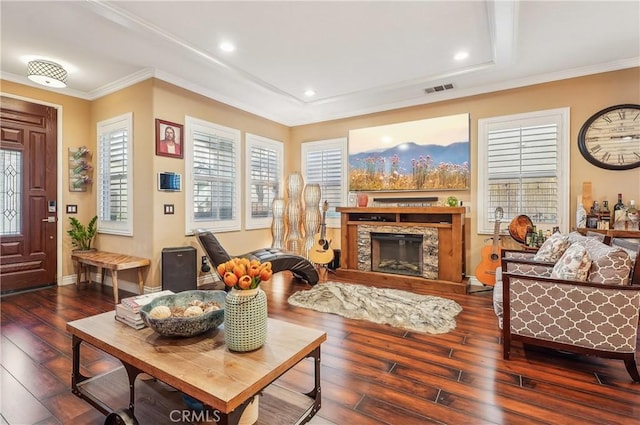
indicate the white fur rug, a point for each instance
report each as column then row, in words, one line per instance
column 422, row 313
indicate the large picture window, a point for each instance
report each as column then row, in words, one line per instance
column 325, row 162
column 523, row 167
column 115, row 175
column 264, row 175
column 212, row 176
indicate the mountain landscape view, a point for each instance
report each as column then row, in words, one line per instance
column 410, row 166
column 454, row 153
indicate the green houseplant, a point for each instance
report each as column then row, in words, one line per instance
column 81, row 236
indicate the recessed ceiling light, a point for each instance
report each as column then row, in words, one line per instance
column 461, row 56
column 309, row 92
column 227, row 46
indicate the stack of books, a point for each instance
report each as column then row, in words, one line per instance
column 128, row 311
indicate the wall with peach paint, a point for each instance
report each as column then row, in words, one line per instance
column 150, row 99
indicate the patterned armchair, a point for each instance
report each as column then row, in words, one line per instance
column 597, row 316
column 519, row 262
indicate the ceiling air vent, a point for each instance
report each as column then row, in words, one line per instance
column 436, row 89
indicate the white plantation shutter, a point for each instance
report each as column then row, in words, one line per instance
column 324, row 162
column 264, row 176
column 212, row 183
column 114, row 175
column 523, row 168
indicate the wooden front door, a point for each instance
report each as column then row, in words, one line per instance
column 28, row 149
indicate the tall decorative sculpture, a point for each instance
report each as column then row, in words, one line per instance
column 293, row 213
column 277, row 225
column 312, row 215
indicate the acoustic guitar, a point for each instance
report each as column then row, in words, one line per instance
column 486, row 270
column 321, row 251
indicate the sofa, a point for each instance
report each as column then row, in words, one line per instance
column 577, row 295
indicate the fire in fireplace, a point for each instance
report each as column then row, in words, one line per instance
column 396, row 253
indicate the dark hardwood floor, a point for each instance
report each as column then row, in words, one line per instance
column 371, row 374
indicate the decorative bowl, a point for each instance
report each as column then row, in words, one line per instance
column 518, row 227
column 185, row 326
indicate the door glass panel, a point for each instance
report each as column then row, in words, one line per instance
column 10, row 192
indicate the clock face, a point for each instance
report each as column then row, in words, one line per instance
column 610, row 139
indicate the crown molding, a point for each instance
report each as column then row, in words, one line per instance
column 121, row 83
column 308, row 113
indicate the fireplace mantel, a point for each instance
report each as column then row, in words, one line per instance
column 449, row 223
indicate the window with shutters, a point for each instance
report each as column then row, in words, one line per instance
column 523, row 167
column 115, row 175
column 212, row 176
column 264, row 176
column 325, row 162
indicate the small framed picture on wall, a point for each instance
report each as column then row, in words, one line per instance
column 169, row 139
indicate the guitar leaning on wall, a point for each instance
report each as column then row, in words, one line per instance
column 486, row 270
column 321, row 251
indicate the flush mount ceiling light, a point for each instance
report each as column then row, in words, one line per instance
column 47, row 73
column 309, row 92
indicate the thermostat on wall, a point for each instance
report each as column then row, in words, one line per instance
column 169, row 182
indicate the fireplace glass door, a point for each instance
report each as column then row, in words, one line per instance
column 396, row 253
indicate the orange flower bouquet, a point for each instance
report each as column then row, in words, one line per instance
column 242, row 273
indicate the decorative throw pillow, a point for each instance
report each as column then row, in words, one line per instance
column 552, row 248
column 610, row 266
column 574, row 237
column 573, row 265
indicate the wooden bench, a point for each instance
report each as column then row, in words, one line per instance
column 109, row 260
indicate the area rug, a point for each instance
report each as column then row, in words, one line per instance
column 402, row 309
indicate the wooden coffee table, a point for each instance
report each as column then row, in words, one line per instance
column 201, row 366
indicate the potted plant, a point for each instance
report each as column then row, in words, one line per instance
column 81, row 236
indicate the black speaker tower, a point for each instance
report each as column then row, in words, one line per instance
column 179, row 269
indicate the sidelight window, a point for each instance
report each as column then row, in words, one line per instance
column 11, row 192
column 115, row 175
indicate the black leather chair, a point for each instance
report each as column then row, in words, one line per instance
column 280, row 260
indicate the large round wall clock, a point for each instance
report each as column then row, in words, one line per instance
column 610, row 139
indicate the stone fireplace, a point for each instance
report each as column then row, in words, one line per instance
column 405, row 250
column 441, row 256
